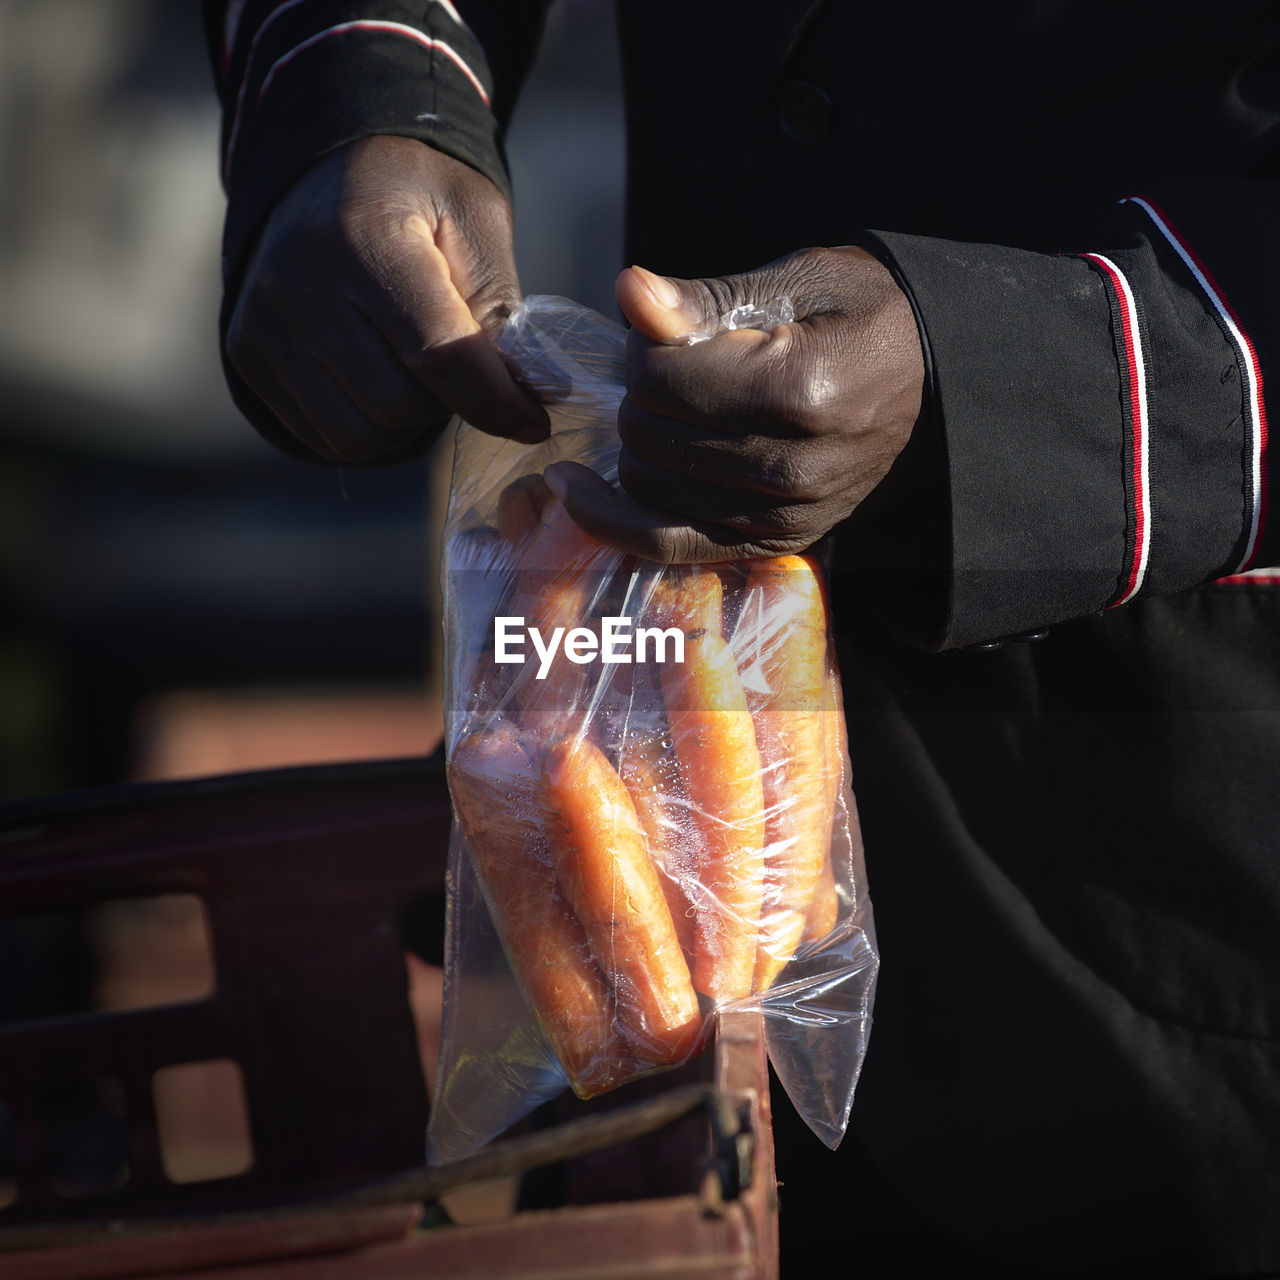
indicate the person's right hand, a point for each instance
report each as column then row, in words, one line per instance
column 364, row 316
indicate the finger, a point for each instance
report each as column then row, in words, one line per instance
column 470, row 376
column 365, row 367
column 671, row 310
column 743, row 461
column 690, row 497
column 616, row 519
column 433, row 332
column 397, row 412
column 740, row 381
column 286, row 411
column 787, row 383
column 256, row 370
column 316, row 409
column 791, row 374
column 475, row 241
column 659, row 308
column 351, row 439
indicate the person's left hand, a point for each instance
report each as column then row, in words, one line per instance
column 752, row 443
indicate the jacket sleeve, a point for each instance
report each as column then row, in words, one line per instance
column 1100, row 415
column 299, row 78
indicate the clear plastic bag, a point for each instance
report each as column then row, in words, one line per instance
column 653, row 814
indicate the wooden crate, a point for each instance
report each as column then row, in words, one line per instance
column 311, row 882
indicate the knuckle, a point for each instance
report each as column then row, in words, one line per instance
column 792, row 477
column 648, row 373
column 342, row 430
column 632, row 430
column 638, row 374
column 355, row 441
column 670, row 546
column 634, row 474
column 411, row 412
column 429, row 362
column 813, row 277
column 688, row 546
column 814, row 397
column 721, row 294
column 791, row 521
column 774, row 520
column 264, row 282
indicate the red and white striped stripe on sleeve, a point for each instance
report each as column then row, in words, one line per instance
column 1255, row 404
column 1135, row 370
column 399, row 30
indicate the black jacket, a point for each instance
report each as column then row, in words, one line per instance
column 1072, row 844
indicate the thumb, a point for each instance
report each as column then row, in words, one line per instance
column 480, row 265
column 665, row 309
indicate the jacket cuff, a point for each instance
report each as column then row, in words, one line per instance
column 301, row 80
column 1093, row 415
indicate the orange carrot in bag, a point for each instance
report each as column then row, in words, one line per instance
column 496, row 794
column 553, row 588
column 599, row 851
column 824, row 906
column 715, row 744
column 552, row 701
column 648, row 767
column 783, row 636
column 663, row 812
column 689, row 597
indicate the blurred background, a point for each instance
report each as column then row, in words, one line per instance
column 176, row 599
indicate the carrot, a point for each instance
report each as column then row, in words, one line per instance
column 551, row 702
column 715, row 745
column 824, row 906
column 663, row 811
column 598, row 848
column 640, row 743
column 782, row 641
column 496, row 796
column 689, row 598
column 553, row 588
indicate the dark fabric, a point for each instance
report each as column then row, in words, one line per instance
column 1040, row 465
column 278, row 119
column 1072, row 858
column 1072, row 844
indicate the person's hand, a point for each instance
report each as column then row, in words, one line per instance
column 364, row 315
column 752, row 443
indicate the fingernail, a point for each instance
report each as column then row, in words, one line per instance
column 662, row 289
